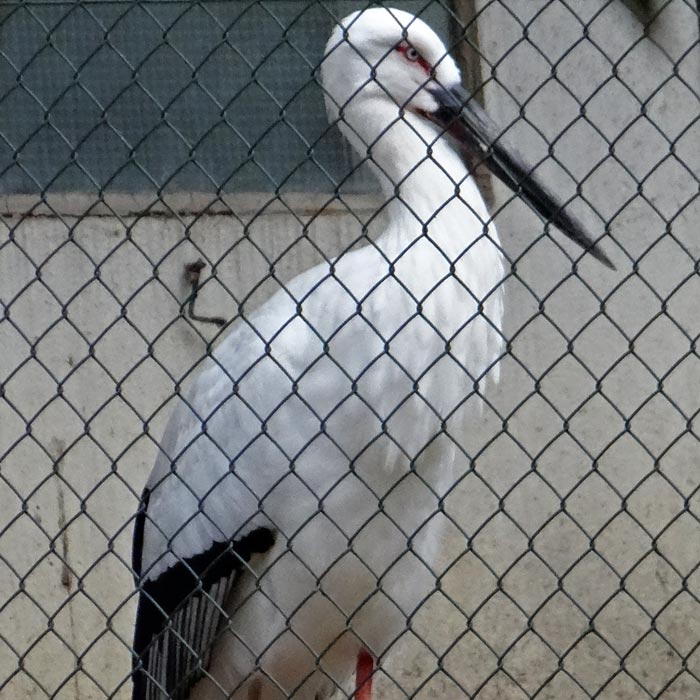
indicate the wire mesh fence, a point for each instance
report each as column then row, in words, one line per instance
column 167, row 164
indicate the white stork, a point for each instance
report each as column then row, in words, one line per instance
column 292, row 516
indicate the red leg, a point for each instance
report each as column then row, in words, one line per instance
column 363, row 676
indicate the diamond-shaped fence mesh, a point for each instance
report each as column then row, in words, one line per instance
column 513, row 515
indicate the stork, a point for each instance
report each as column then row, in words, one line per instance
column 291, row 520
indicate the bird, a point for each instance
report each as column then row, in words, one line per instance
column 291, row 523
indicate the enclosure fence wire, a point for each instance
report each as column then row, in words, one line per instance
column 167, row 166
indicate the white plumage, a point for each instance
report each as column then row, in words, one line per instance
column 324, row 421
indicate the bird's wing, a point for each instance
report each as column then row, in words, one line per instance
column 227, row 449
column 181, row 610
column 199, row 519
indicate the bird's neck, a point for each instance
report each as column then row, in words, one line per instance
column 428, row 188
column 430, row 204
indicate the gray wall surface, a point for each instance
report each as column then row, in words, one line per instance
column 581, row 578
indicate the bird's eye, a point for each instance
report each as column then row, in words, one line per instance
column 414, row 56
column 408, row 51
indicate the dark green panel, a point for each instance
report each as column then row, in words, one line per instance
column 170, row 95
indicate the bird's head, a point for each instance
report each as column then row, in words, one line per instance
column 384, row 68
column 387, row 55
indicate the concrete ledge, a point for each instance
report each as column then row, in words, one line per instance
column 244, row 205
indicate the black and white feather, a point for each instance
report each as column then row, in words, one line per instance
column 181, row 611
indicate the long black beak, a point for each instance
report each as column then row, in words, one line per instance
column 479, row 138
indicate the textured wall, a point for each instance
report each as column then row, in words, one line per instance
column 597, row 465
column 95, row 417
column 581, row 511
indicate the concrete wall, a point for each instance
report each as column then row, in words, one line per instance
column 584, row 495
column 91, row 445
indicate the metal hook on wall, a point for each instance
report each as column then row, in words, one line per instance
column 193, row 271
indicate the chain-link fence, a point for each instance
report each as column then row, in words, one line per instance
column 168, row 170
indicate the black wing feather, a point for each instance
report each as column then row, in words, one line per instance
column 181, row 612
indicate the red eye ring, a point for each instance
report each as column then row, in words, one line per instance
column 412, row 54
